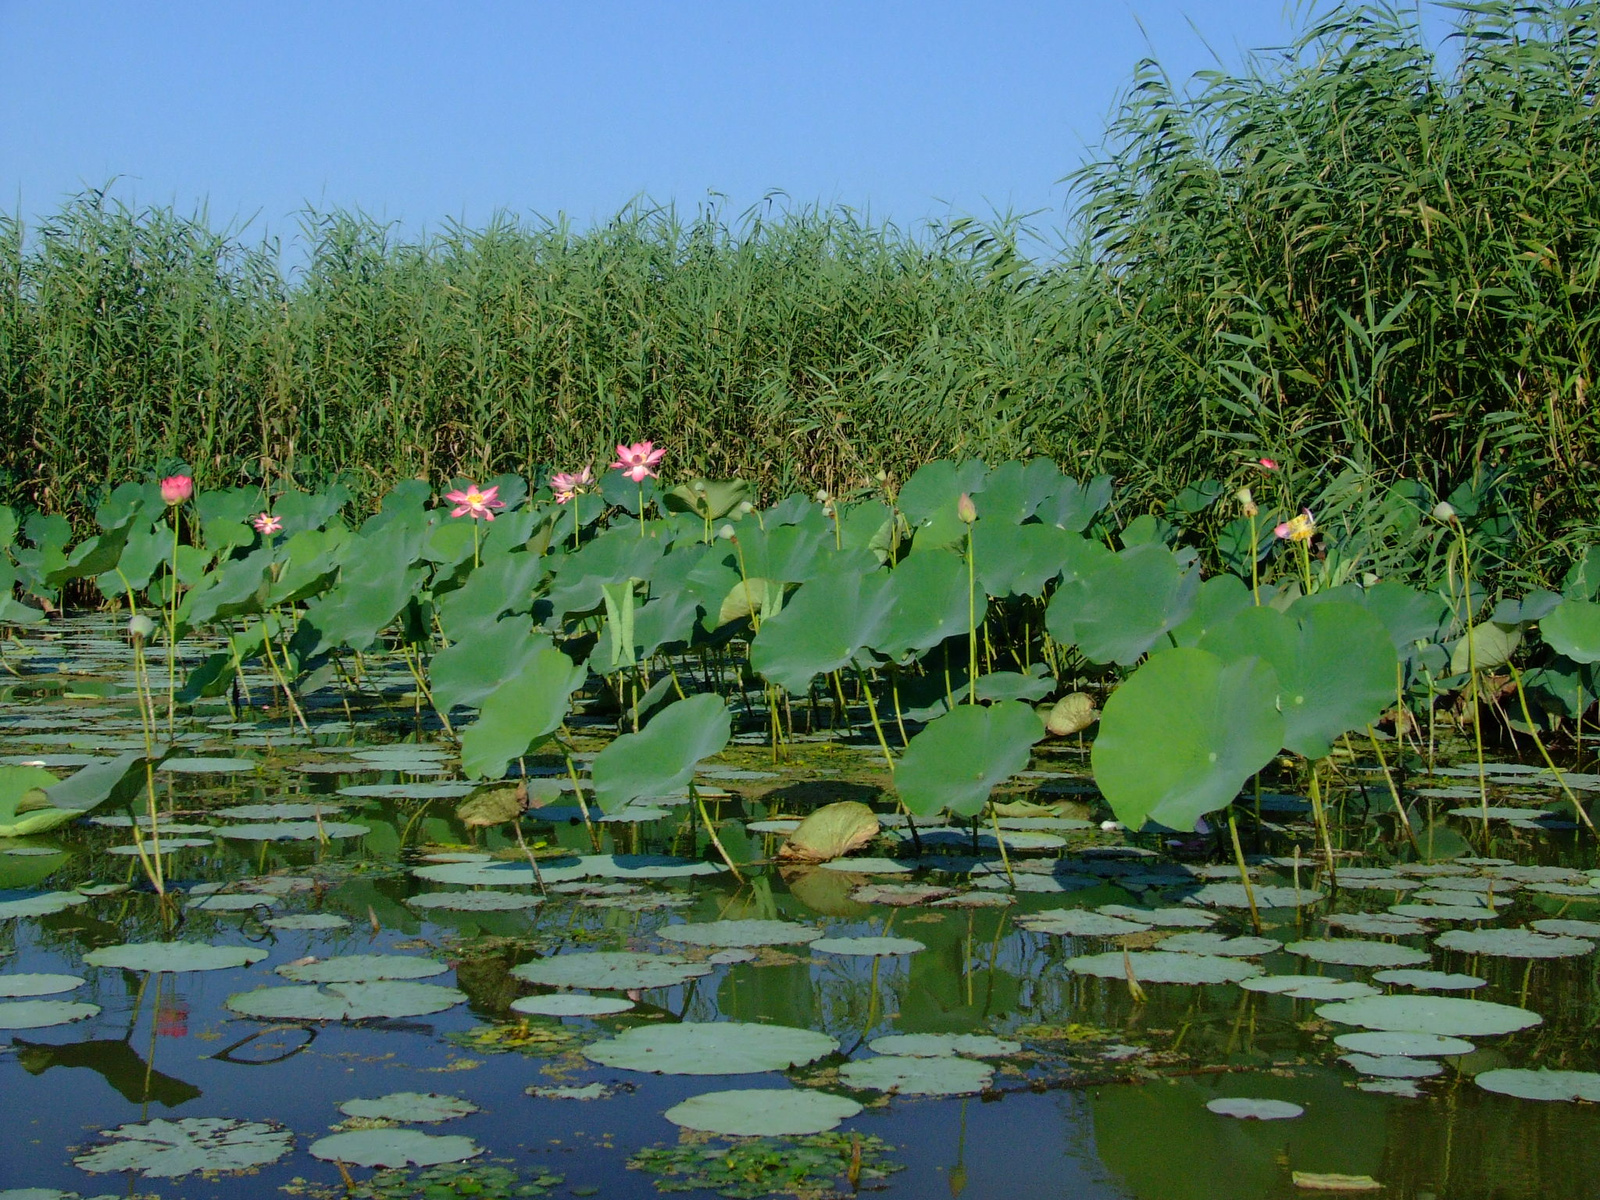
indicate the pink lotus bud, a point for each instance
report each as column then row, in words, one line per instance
column 1267, row 464
column 966, row 509
column 175, row 489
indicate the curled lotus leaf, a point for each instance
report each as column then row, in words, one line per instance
column 172, row 1149
column 711, row 1048
column 763, row 1112
column 830, row 832
column 1071, row 714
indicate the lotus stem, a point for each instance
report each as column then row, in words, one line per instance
column 1244, row 873
column 1522, row 698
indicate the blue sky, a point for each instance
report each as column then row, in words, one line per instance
column 421, row 112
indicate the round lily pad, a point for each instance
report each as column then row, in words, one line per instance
column 1232, row 895
column 1569, row 928
column 1377, row 924
column 571, row 1004
column 939, row 1045
column 1079, row 922
column 711, row 1048
column 868, row 946
column 292, row 831
column 1405, row 1045
column 404, row 791
column 1251, row 1109
column 171, row 1149
column 478, row 872
column 307, row 922
column 173, row 956
column 870, row 866
column 41, row 1014
column 1217, row 943
column 1449, row 1016
column 345, row 1001
column 208, row 766
column 476, row 901
column 1392, row 1066
column 740, row 933
column 363, row 968
column 168, row 845
column 1309, row 987
column 1513, row 943
column 233, row 902
column 423, row 1108
column 763, row 1112
column 394, row 1148
column 1159, row 967
column 1167, row 918
column 1430, row 981
column 1445, row 912
column 1354, row 952
column 282, row 811
column 15, row 986
column 610, row 970
column 1542, row 1084
column 944, row 1075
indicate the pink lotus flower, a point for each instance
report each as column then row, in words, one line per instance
column 1267, row 464
column 475, row 503
column 175, row 489
column 567, row 484
column 1297, row 529
column 266, row 524
column 636, row 460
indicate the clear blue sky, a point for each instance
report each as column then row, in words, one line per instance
column 420, row 112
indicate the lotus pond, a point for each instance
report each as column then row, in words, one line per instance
column 965, row 841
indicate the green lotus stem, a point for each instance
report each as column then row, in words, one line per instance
column 711, row 829
column 282, row 680
column 572, row 774
column 1005, row 859
column 1472, row 670
column 1255, row 569
column 172, row 631
column 972, row 625
column 516, row 826
column 1394, row 792
column 1522, row 698
column 1244, row 873
column 1321, row 816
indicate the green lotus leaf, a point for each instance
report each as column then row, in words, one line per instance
column 41, row 1014
column 1119, row 607
column 1182, row 735
column 906, row 1075
column 363, row 968
column 571, row 1004
column 423, row 1108
column 711, row 1048
column 867, row 947
column 610, row 970
column 1155, row 966
column 345, row 1001
column 29, row 985
column 172, row 1149
column 39, row 906
column 661, row 757
column 1254, row 1109
column 470, row 669
column 1573, row 629
column 520, row 713
column 1513, row 943
column 1543, row 1084
column 1404, row 1045
column 707, row 498
column 740, row 933
column 1016, row 560
column 825, row 624
column 928, row 602
column 173, row 956
column 393, row 1148
column 763, row 1112
column 940, row 1045
column 1448, row 1016
column 1487, row 645
column 1353, row 952
column 960, row 758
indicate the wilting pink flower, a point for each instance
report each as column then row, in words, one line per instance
column 567, row 484
column 1297, row 529
column 636, row 460
column 266, row 524
column 475, row 503
column 172, row 1018
column 1267, row 464
column 175, row 489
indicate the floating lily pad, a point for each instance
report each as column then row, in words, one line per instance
column 1158, row 967
column 1353, row 952
column 1232, row 895
column 900, row 895
column 478, row 872
column 423, row 1108
column 1513, row 943
column 589, row 1091
column 171, row 1149
column 939, row 1045
column 1392, row 1066
column 233, row 902
column 763, row 1112
column 711, row 1048
column 1377, row 924
column 1405, row 1045
column 1542, row 1084
column 394, row 1148
column 873, row 947
column 944, row 1075
column 870, row 866
column 1445, row 912
column 173, row 956
column 282, row 811
column 1448, row 1016
column 14, row 986
column 610, row 970
column 1309, row 987
column 629, row 866
column 1217, row 943
column 571, row 1004
column 1430, row 981
column 293, row 831
column 345, row 1001
column 307, row 922
column 363, row 968
column 740, row 933
column 41, row 1014
column 476, row 901
column 1569, row 928
column 167, row 845
column 1250, row 1109
column 1079, row 922
column 408, row 791
column 208, row 766
column 1167, row 918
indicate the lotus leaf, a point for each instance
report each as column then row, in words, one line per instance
column 740, row 933
column 362, row 968
column 1445, row 1015
column 661, row 757
column 1232, row 895
column 278, row 812
column 711, row 1048
column 1513, row 943
column 822, row 628
column 1392, row 1066
column 1308, row 987
column 1542, row 1084
column 831, row 831
column 610, row 970
column 928, row 601
column 937, row 1045
column 307, row 922
column 571, row 1004
column 13, row 986
column 1353, row 952
column 1404, row 1045
column 943, row 1075
column 209, row 766
column 475, row 901
column 1183, row 734
column 424, row 1108
column 1569, row 928
column 520, row 713
column 394, row 1148
column 40, row 1014
column 1249, row 1109
column 762, row 1112
column 233, row 902
column 1121, row 605
column 871, row 866
column 1180, row 918
column 867, row 946
column 1573, row 629
column 293, row 831
column 173, row 956
column 345, row 1001
column 960, row 758
column 171, row 1149
column 1159, row 967
column 1430, row 981
column 1077, row 922
column 1217, row 943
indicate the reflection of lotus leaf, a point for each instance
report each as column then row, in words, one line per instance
column 1353, row 952
column 1446, row 1015
column 39, row 906
column 394, row 1148
column 1406, row 1045
column 1542, row 1084
column 421, row 1107
column 37, row 985
column 170, row 1149
column 614, row 970
column 1513, row 943
column 476, row 901
column 1254, row 1110
column 870, row 946
column 939, row 1045
column 1158, row 967
column 944, row 1075
column 571, row 1004
column 711, row 1048
column 740, row 933
column 1430, row 981
column 762, row 1112
column 345, row 1001
column 363, row 968
column 173, row 956
column 41, row 1014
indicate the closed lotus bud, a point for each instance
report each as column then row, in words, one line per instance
column 140, row 627
column 746, row 508
column 725, row 533
column 1247, row 502
column 966, row 509
column 1444, row 511
column 822, row 495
